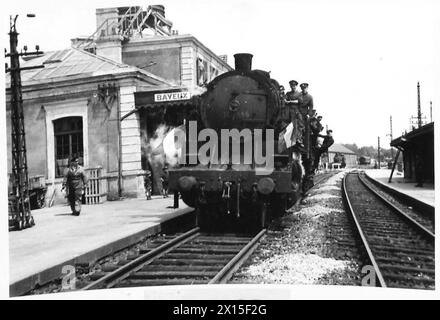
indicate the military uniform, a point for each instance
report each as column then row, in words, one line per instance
column 305, row 103
column 164, row 179
column 75, row 182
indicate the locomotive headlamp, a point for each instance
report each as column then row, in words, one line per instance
column 266, row 185
column 186, row 183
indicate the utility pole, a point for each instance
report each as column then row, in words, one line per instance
column 419, row 109
column 391, row 135
column 21, row 203
column 378, row 152
column 430, row 109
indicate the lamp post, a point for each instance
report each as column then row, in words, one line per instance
column 22, row 216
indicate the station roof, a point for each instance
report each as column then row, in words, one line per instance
column 416, row 134
column 339, row 148
column 72, row 63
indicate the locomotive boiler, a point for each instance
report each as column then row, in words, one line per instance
column 229, row 185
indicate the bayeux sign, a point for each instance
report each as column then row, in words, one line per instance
column 172, row 96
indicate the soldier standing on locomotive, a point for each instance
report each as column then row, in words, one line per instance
column 328, row 141
column 292, row 101
column 306, row 110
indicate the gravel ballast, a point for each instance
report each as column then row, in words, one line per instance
column 313, row 244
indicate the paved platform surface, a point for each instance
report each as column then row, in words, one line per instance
column 425, row 194
column 58, row 237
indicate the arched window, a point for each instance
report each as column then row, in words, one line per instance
column 68, row 142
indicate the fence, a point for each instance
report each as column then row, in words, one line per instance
column 96, row 190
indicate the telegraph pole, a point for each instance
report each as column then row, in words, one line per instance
column 430, row 109
column 391, row 135
column 21, row 203
column 419, row 109
column 378, row 152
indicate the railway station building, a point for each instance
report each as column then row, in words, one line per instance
column 335, row 153
column 417, row 145
column 89, row 100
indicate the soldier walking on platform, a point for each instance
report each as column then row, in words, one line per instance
column 75, row 182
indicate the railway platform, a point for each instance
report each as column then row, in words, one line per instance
column 38, row 254
column 426, row 194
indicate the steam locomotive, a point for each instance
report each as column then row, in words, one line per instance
column 241, row 194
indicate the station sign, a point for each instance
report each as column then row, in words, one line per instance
column 172, row 96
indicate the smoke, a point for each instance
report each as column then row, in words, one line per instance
column 161, row 147
column 195, row 91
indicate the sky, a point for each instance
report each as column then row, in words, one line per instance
column 362, row 59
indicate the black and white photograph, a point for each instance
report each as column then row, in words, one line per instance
column 205, row 149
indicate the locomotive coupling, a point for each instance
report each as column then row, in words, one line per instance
column 186, row 183
column 266, row 185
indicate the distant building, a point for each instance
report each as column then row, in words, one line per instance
column 335, row 152
column 74, row 105
column 417, row 143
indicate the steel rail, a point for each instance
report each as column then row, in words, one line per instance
column 122, row 272
column 426, row 233
column 362, row 235
column 424, row 208
column 228, row 270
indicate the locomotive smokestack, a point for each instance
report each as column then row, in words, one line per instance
column 243, row 61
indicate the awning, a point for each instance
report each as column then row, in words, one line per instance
column 410, row 137
column 145, row 100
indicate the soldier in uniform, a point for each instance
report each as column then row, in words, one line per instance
column 75, row 182
column 147, row 184
column 164, row 178
column 292, row 101
column 327, row 143
column 292, row 97
column 305, row 100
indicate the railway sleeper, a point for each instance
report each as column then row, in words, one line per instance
column 406, row 261
column 190, row 262
column 220, row 241
column 405, row 278
column 406, row 268
column 172, row 274
column 156, row 282
column 151, row 268
column 189, row 256
column 403, row 243
column 414, row 257
column 402, row 250
column 207, row 250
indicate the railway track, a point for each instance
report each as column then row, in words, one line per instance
column 399, row 248
column 189, row 258
column 419, row 211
